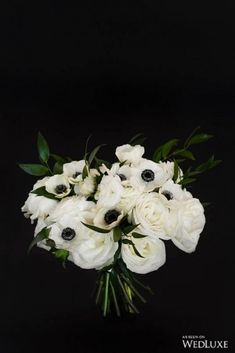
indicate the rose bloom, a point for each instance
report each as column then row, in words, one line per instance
column 152, row 252
column 109, row 191
column 185, row 224
column 151, row 214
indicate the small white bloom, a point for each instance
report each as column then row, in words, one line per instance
column 58, row 185
column 152, row 250
column 128, row 199
column 73, row 170
column 173, row 191
column 107, row 218
column 185, row 224
column 73, row 206
column 95, row 250
column 151, row 214
column 109, row 191
column 85, row 187
column 38, row 206
column 129, row 154
column 148, row 176
column 168, row 168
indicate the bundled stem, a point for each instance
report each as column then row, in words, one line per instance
column 116, row 289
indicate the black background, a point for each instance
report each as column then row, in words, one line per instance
column 113, row 70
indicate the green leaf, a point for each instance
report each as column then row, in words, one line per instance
column 58, row 168
column 138, row 235
column 199, row 138
column 211, row 163
column 58, row 158
column 42, row 192
column 102, row 161
column 138, row 139
column 167, row 147
column 127, row 241
column 84, row 172
column 43, row 149
column 43, row 234
column 130, row 228
column 117, row 234
column 157, row 155
column 94, row 153
column 86, row 146
column 50, row 243
column 186, row 144
column 96, row 229
column 176, row 171
column 61, row 254
column 137, row 252
column 34, row 169
column 186, row 181
column 185, row 153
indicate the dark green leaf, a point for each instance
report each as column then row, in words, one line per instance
column 137, row 139
column 137, row 252
column 61, row 254
column 127, row 241
column 138, row 235
column 186, row 144
column 157, row 155
column 185, row 153
column 43, row 149
column 94, row 153
column 58, row 158
column 86, row 147
column 34, row 169
column 96, row 229
column 129, row 228
column 84, row 172
column 43, row 234
column 42, row 192
column 187, row 181
column 176, row 171
column 167, row 147
column 58, row 168
column 50, row 243
column 199, row 138
column 211, row 163
column 117, row 234
column 101, row 161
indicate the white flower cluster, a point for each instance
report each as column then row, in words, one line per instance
column 133, row 192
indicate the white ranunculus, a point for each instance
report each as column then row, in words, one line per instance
column 152, row 250
column 173, row 191
column 168, row 168
column 73, row 206
column 107, row 218
column 128, row 199
column 85, row 187
column 73, row 170
column 151, row 213
column 148, row 176
column 109, row 191
column 95, row 250
column 185, row 224
column 38, row 206
column 129, row 154
column 58, row 185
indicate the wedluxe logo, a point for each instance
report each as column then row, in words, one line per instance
column 200, row 342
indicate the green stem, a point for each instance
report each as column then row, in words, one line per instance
column 99, row 290
column 126, row 296
column 134, row 289
column 115, row 299
column 106, row 293
column 46, row 163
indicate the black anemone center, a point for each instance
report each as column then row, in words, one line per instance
column 75, row 175
column 122, row 177
column 68, row 233
column 147, row 175
column 60, row 189
column 168, row 195
column 111, row 216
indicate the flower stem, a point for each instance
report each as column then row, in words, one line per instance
column 106, row 293
column 115, row 299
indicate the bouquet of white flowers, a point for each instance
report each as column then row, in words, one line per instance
column 114, row 217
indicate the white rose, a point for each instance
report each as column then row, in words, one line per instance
column 95, row 250
column 128, row 199
column 148, row 176
column 73, row 206
column 152, row 250
column 85, row 187
column 38, row 206
column 151, row 214
column 185, row 224
column 129, row 154
column 107, row 218
column 58, row 185
column 109, row 191
column 173, row 191
column 73, row 170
